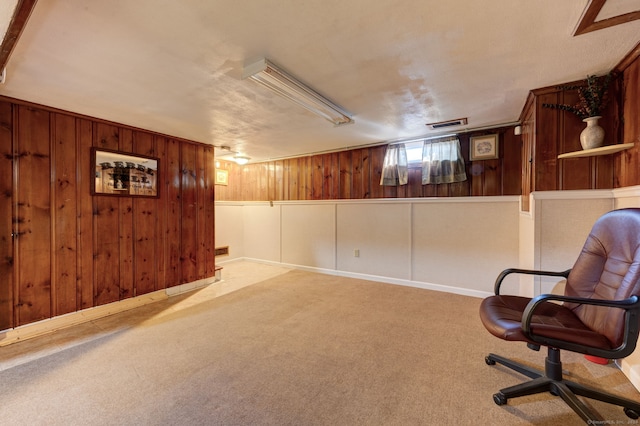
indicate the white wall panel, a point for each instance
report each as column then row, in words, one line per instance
column 527, row 258
column 309, row 235
column 627, row 197
column 229, row 230
column 382, row 234
column 464, row 244
column 562, row 227
column 262, row 231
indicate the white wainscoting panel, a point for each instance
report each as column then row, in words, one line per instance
column 309, row 235
column 382, row 234
column 262, row 237
column 465, row 244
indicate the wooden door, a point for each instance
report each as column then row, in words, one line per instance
column 29, row 230
column 32, row 219
column 7, row 319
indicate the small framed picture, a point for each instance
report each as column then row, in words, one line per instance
column 124, row 174
column 484, row 147
column 222, row 177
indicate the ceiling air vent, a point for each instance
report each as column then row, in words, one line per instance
column 445, row 124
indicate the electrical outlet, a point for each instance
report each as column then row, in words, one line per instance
column 356, row 253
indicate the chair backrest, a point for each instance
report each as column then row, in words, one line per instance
column 608, row 268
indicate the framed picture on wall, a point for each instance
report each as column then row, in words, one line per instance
column 124, row 174
column 222, row 177
column 484, row 147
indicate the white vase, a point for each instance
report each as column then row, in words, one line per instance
column 593, row 135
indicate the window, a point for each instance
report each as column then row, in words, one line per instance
column 394, row 167
column 440, row 159
column 414, row 153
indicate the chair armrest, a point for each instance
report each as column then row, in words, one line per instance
column 631, row 306
column 506, row 272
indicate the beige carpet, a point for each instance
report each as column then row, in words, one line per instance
column 296, row 349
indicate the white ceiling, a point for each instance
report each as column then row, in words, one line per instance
column 7, row 8
column 175, row 66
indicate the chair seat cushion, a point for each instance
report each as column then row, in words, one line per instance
column 502, row 316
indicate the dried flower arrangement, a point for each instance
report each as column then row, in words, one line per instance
column 592, row 94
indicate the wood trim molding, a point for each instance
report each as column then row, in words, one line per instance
column 588, row 21
column 18, row 22
column 96, row 119
column 629, row 59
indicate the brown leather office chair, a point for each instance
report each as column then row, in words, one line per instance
column 599, row 315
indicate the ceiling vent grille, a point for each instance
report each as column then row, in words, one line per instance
column 445, row 124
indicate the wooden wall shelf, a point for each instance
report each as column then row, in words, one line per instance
column 603, row 150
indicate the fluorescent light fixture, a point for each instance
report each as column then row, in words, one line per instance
column 285, row 85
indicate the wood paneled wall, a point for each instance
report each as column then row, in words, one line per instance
column 549, row 132
column 71, row 250
column 355, row 174
column 628, row 162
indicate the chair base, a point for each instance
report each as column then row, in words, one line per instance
column 551, row 380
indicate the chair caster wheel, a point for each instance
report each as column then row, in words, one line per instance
column 489, row 361
column 499, row 398
column 632, row 414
